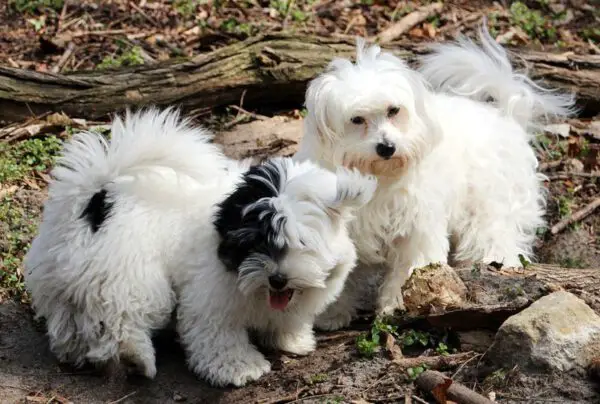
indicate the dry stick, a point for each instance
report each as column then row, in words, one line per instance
column 123, row 398
column 289, row 398
column 430, row 380
column 61, row 18
column 575, row 217
column 467, row 20
column 549, row 165
column 408, row 22
column 150, row 19
column 419, row 399
column 435, row 362
column 574, row 174
column 64, row 58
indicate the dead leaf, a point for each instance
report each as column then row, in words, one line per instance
column 440, row 391
column 8, row 191
column 31, row 183
column 390, row 346
column 59, row 119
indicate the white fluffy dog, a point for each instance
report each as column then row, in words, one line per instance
column 452, row 169
column 128, row 225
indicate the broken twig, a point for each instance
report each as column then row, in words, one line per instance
column 575, row 217
column 443, row 389
column 435, row 362
column 408, row 22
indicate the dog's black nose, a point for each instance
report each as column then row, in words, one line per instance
column 278, row 281
column 385, row 150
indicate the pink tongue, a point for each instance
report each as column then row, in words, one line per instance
column 279, row 300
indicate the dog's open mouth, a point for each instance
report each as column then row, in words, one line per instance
column 278, row 300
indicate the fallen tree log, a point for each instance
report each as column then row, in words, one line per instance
column 494, row 295
column 268, row 69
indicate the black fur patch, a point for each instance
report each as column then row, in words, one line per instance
column 97, row 210
column 255, row 232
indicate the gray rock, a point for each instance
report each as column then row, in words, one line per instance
column 558, row 332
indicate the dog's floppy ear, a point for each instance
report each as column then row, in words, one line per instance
column 235, row 246
column 318, row 121
column 354, row 190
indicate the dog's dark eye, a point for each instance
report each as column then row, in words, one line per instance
column 358, row 120
column 393, row 111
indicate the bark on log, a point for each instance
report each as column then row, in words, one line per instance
column 495, row 295
column 271, row 69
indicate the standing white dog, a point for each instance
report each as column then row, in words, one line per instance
column 451, row 168
column 128, row 223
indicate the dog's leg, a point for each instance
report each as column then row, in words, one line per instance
column 297, row 339
column 219, row 349
column 429, row 244
column 342, row 311
column 137, row 350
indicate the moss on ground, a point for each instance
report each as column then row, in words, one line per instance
column 22, row 166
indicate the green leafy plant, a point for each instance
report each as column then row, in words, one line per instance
column 524, row 262
column 369, row 344
column 414, row 372
column 318, row 378
column 132, row 57
column 532, row 21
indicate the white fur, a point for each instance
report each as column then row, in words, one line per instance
column 463, row 171
column 214, row 315
column 102, row 294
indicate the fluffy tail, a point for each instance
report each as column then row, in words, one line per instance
column 485, row 73
column 143, row 146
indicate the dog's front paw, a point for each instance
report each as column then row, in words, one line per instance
column 237, row 370
column 333, row 321
column 301, row 343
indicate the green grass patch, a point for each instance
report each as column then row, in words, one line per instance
column 32, row 6
column 533, row 22
column 131, row 57
column 21, row 159
column 18, row 215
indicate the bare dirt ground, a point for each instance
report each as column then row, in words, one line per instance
column 36, row 34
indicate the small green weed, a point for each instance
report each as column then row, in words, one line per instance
column 132, row 57
column 524, row 262
column 285, row 7
column 233, row 26
column 38, row 23
column 369, row 344
column 572, row 262
column 318, row 378
column 591, row 33
column 512, row 292
column 412, row 337
column 186, row 8
column 20, row 159
column 414, row 372
column 442, row 349
column 20, row 227
column 532, row 22
column 496, row 379
column 17, row 223
column 564, row 206
column 32, row 6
